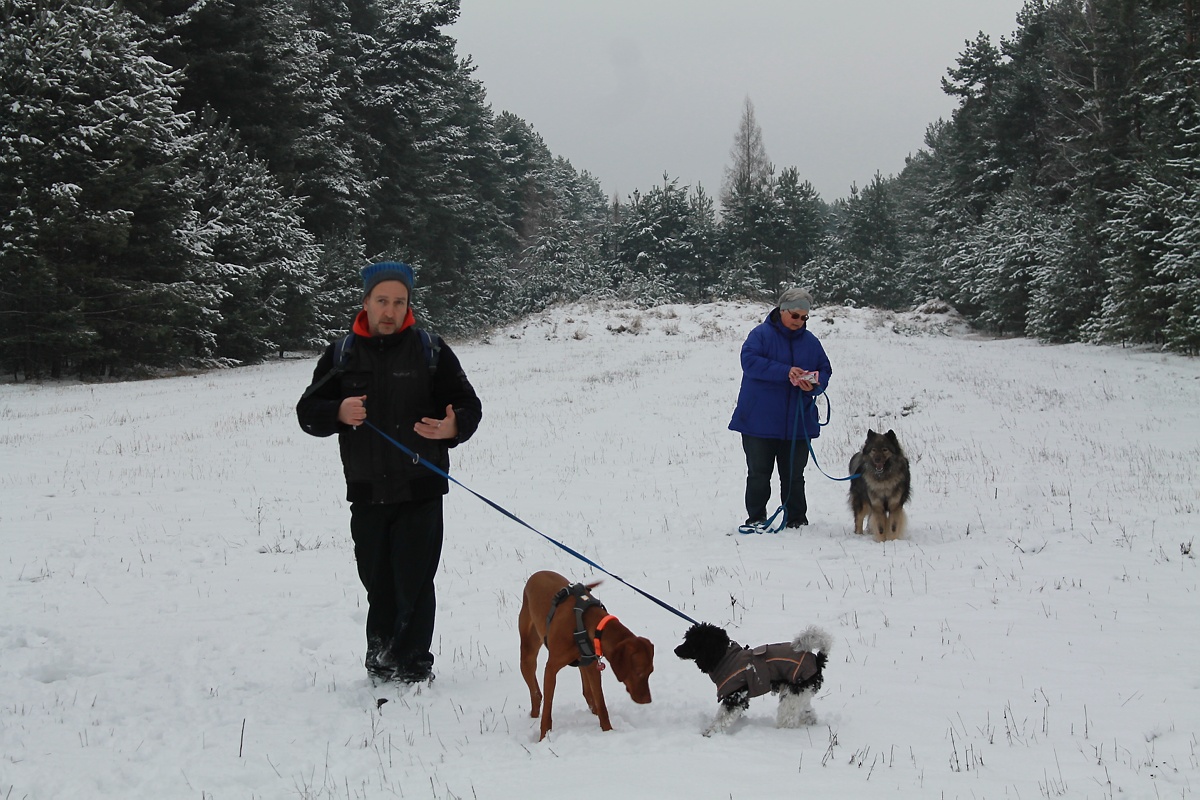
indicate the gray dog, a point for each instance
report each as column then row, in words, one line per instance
column 882, row 487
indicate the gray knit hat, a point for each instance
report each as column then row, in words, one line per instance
column 794, row 299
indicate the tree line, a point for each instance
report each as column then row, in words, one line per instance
column 192, row 184
column 1061, row 200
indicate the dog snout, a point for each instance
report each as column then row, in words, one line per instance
column 639, row 693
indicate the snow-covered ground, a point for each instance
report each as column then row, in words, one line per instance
column 182, row 617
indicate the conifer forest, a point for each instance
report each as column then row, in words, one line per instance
column 197, row 184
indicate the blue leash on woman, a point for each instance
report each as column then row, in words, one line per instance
column 784, row 366
column 776, row 522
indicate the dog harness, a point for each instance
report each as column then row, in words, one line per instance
column 755, row 669
column 589, row 646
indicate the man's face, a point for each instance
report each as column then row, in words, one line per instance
column 386, row 307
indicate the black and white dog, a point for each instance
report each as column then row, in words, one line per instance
column 791, row 670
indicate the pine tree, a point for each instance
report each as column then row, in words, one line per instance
column 1151, row 234
column 799, row 225
column 259, row 283
column 433, row 130
column 564, row 261
column 658, row 262
column 749, row 234
column 1000, row 260
column 95, row 202
column 748, row 209
column 341, row 146
column 750, row 169
column 703, row 238
column 526, row 161
column 972, row 174
column 861, row 257
column 932, row 218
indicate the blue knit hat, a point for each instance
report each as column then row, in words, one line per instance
column 387, row 271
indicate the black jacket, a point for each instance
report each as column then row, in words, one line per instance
column 392, row 371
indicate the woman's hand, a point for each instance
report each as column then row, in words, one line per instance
column 800, row 377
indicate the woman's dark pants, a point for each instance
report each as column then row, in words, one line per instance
column 762, row 457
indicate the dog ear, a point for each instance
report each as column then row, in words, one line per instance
column 617, row 655
column 712, row 635
column 621, row 655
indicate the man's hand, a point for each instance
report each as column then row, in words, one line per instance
column 431, row 428
column 353, row 411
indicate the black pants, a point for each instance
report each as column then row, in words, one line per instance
column 397, row 547
column 762, row 456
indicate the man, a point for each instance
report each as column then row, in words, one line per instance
column 784, row 367
column 409, row 385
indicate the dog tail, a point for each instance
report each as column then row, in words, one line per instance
column 813, row 639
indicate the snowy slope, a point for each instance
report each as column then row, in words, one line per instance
column 182, row 617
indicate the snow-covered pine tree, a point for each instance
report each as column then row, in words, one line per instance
column 800, row 220
column 260, row 279
column 94, row 199
column 998, row 263
column 565, row 260
column 748, row 212
column 653, row 244
column 750, row 168
column 704, row 240
column 860, row 259
column 438, row 194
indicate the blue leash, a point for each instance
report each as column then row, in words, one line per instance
column 769, row 525
column 417, row 459
column 828, row 416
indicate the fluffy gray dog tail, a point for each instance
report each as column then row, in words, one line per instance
column 813, row 639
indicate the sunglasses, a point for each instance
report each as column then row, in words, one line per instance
column 798, row 315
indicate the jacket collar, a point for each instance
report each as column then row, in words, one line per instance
column 777, row 324
column 361, row 328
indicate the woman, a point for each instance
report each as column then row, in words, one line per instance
column 784, row 367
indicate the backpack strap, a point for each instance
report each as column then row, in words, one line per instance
column 432, row 345
column 342, row 349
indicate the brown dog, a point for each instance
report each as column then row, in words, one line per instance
column 545, row 621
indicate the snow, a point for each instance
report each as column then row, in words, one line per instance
column 182, row 616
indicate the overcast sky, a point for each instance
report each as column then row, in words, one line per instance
column 628, row 89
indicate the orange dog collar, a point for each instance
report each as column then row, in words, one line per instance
column 599, row 630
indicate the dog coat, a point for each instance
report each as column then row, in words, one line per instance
column 755, row 669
